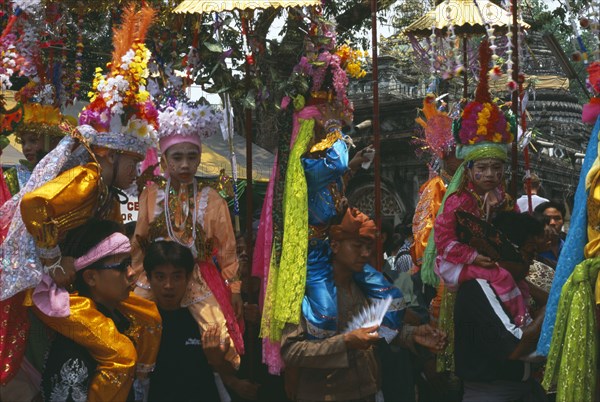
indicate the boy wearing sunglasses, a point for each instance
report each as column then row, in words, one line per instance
column 103, row 283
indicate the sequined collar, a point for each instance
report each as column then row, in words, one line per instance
column 327, row 142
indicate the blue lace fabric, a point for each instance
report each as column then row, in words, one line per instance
column 321, row 174
column 572, row 252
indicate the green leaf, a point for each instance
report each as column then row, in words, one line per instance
column 215, row 90
column 214, row 47
column 249, row 102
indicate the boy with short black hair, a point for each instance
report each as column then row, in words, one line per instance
column 186, row 358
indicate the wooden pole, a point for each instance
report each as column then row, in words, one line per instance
column 253, row 330
column 515, row 97
column 248, row 128
column 465, row 68
column 249, row 187
column 376, row 136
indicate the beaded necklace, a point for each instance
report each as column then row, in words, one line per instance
column 480, row 203
column 192, row 243
column 445, row 176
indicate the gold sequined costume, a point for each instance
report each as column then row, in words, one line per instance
column 117, row 354
column 49, row 212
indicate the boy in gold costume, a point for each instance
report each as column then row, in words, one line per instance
column 73, row 184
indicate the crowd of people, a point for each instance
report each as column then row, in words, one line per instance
column 173, row 309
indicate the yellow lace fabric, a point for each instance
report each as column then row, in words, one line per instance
column 445, row 359
column 285, row 287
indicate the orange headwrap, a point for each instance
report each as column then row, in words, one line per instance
column 354, row 225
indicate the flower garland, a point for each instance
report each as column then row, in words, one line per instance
column 432, row 54
column 8, row 64
column 511, row 84
column 17, row 51
column 78, row 59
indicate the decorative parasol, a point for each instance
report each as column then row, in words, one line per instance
column 462, row 18
column 210, row 6
column 466, row 17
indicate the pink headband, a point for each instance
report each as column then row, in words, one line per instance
column 116, row 243
column 167, row 142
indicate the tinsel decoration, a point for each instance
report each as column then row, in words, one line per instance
column 511, row 84
column 432, row 54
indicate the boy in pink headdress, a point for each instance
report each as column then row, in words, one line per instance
column 183, row 210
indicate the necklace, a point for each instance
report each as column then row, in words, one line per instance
column 192, row 243
column 445, row 176
column 480, row 204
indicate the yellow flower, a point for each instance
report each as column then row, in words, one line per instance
column 142, row 97
column 497, row 137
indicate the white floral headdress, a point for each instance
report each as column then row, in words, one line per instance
column 184, row 120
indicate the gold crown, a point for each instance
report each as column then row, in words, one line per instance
column 43, row 119
column 36, row 113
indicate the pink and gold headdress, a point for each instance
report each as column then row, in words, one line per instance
column 483, row 125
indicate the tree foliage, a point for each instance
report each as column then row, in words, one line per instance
column 209, row 49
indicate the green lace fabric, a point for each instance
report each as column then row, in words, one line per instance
column 571, row 366
column 285, row 287
column 283, row 155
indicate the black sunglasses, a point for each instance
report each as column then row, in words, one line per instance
column 121, row 266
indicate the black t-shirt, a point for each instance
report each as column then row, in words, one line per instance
column 484, row 336
column 70, row 367
column 182, row 372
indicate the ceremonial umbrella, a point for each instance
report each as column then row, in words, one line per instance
column 466, row 17
column 209, row 6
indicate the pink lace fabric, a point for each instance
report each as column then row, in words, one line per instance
column 454, row 263
column 4, row 196
column 221, row 291
column 261, row 258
